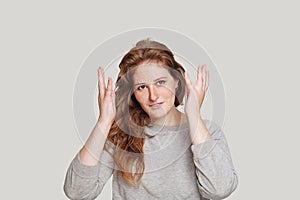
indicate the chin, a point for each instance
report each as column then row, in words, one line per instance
column 157, row 117
column 158, row 114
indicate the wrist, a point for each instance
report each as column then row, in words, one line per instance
column 104, row 122
column 194, row 116
column 104, row 126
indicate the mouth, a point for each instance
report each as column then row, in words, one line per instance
column 156, row 105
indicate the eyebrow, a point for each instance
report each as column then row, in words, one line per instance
column 153, row 81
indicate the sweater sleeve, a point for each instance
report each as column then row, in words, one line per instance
column 215, row 172
column 87, row 182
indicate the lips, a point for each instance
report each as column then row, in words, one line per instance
column 156, row 105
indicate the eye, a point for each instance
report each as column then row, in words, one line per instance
column 160, row 82
column 141, row 87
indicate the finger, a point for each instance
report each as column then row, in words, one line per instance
column 109, row 87
column 113, row 96
column 199, row 82
column 101, row 84
column 188, row 83
column 188, row 80
column 207, row 81
column 204, row 77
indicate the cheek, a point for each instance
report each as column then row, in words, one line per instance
column 167, row 92
column 139, row 97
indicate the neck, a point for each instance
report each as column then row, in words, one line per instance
column 172, row 118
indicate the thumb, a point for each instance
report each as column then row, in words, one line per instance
column 189, row 84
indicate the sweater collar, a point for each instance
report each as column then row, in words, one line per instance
column 152, row 130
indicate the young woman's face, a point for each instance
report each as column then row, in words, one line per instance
column 154, row 89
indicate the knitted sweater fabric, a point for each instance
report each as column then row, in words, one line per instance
column 174, row 168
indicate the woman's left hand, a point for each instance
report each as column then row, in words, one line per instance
column 196, row 92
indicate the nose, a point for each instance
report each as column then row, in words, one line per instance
column 153, row 96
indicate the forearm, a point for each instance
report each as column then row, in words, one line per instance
column 198, row 130
column 82, row 181
column 92, row 149
column 86, row 176
column 217, row 177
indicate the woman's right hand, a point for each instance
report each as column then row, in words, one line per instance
column 106, row 99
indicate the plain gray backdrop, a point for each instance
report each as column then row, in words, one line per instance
column 254, row 44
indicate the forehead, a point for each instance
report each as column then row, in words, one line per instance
column 150, row 72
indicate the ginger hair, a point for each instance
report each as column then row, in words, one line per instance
column 127, row 134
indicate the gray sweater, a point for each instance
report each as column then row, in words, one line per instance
column 174, row 168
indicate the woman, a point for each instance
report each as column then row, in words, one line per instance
column 153, row 150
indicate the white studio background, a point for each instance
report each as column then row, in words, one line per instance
column 254, row 44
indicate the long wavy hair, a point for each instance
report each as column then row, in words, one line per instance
column 127, row 133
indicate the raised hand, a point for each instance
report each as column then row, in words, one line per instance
column 196, row 92
column 93, row 147
column 106, row 99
